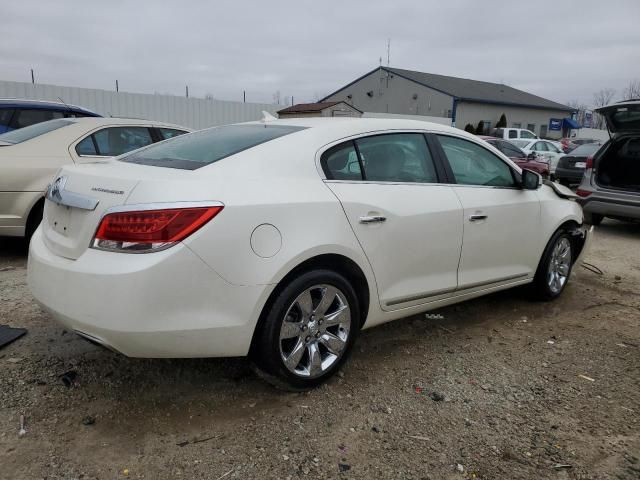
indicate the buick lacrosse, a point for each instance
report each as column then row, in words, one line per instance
column 282, row 239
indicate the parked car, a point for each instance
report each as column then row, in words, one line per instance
column 282, row 239
column 517, row 156
column 569, row 144
column 513, row 133
column 15, row 113
column 611, row 184
column 571, row 167
column 544, row 149
column 30, row 157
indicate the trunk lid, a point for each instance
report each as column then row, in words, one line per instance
column 622, row 117
column 81, row 194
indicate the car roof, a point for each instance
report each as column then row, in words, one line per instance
column 101, row 121
column 330, row 129
column 42, row 105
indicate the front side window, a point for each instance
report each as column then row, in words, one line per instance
column 27, row 133
column 397, row 157
column 540, row 147
column 552, row 148
column 474, row 165
column 114, row 141
column 196, row 150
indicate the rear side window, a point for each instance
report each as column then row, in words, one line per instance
column 474, row 165
column 511, row 150
column 196, row 150
column 341, row 162
column 86, row 147
column 5, row 116
column 27, row 133
column 114, row 141
column 397, row 157
column 168, row 133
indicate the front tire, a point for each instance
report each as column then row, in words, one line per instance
column 554, row 268
column 308, row 331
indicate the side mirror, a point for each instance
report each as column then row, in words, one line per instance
column 530, row 180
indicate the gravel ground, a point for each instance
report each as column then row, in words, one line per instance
column 496, row 388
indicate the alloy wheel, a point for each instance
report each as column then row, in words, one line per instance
column 315, row 331
column 559, row 265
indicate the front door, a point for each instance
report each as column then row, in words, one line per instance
column 407, row 222
column 501, row 221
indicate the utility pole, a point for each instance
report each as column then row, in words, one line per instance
column 292, row 100
column 33, row 78
column 186, row 90
column 388, row 51
column 117, row 87
column 244, row 96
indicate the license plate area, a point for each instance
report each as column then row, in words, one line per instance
column 60, row 219
column 580, row 164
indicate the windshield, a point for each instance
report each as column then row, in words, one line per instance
column 33, row 131
column 585, row 150
column 202, row 148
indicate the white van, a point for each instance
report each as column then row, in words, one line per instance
column 511, row 133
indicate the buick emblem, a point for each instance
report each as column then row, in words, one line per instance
column 56, row 188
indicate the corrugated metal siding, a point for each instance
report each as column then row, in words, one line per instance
column 191, row 112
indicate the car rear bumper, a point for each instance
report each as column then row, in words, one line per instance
column 163, row 304
column 574, row 176
column 610, row 207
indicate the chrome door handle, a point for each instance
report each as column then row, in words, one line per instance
column 374, row 219
column 477, row 217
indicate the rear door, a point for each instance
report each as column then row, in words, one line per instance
column 623, row 117
column 407, row 220
column 501, row 221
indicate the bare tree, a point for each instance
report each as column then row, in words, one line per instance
column 579, row 108
column 632, row 91
column 602, row 97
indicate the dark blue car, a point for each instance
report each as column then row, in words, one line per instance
column 16, row 113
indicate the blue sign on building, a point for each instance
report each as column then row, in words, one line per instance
column 555, row 124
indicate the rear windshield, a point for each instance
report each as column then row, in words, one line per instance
column 626, row 118
column 585, row 150
column 33, row 131
column 520, row 143
column 199, row 149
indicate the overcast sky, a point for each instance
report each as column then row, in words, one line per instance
column 559, row 50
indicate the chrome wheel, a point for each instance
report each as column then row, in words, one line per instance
column 315, row 331
column 559, row 265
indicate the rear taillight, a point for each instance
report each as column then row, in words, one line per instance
column 583, row 193
column 150, row 230
column 589, row 162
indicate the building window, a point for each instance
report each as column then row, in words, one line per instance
column 516, row 125
column 449, row 113
column 486, row 127
column 531, row 127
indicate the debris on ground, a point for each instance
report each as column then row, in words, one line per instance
column 10, row 334
column 22, row 430
column 460, row 468
column 560, row 466
column 343, row 467
column 88, row 420
column 69, row 378
column 586, row 378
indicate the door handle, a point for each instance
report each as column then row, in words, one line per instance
column 476, row 217
column 373, row 219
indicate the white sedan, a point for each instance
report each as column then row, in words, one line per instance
column 30, row 157
column 282, row 239
column 545, row 150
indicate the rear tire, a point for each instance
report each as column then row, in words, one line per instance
column 34, row 220
column 308, row 331
column 554, row 268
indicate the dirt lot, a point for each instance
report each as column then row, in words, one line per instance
column 522, row 390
